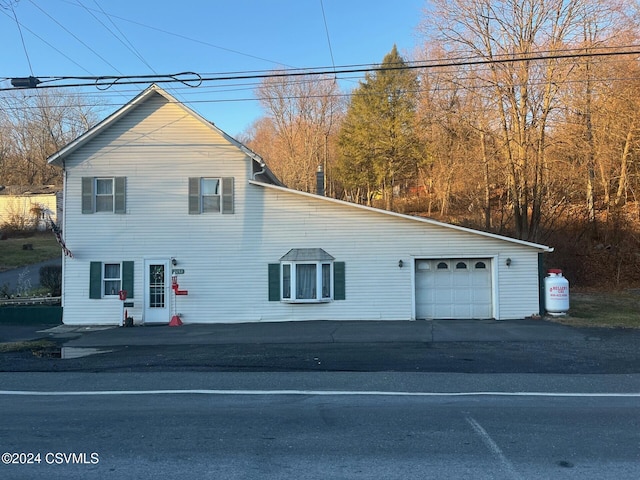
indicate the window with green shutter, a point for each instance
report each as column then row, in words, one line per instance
column 107, row 279
column 210, row 194
column 104, row 194
column 307, row 275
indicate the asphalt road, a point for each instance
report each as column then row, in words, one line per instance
column 319, row 426
column 25, row 277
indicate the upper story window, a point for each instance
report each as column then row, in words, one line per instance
column 210, row 194
column 104, row 194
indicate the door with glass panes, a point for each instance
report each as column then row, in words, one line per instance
column 157, row 284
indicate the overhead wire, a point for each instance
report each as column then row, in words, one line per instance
column 326, row 29
column 76, row 37
column 51, row 46
column 24, row 45
column 197, row 79
column 185, row 37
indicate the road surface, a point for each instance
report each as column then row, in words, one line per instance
column 318, row 425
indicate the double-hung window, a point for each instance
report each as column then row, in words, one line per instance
column 306, row 275
column 106, row 279
column 111, row 279
column 210, row 194
column 104, row 194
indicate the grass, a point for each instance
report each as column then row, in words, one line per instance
column 615, row 309
column 33, row 345
column 12, row 255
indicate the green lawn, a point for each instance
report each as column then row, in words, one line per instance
column 12, row 254
column 615, row 309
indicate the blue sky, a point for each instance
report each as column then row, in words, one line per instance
column 144, row 37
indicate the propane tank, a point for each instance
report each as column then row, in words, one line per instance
column 556, row 289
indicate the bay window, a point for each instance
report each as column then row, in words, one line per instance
column 306, row 275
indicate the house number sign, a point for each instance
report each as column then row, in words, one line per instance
column 177, row 271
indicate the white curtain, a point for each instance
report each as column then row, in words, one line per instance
column 306, row 281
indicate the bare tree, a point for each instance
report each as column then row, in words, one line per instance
column 35, row 125
column 302, row 117
column 525, row 90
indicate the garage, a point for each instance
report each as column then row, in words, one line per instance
column 453, row 288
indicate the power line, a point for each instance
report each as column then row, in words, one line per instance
column 194, row 79
column 49, row 44
column 326, row 29
column 24, row 46
column 75, row 36
column 184, row 37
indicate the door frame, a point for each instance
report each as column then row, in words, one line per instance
column 160, row 317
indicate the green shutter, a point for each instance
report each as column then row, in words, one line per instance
column 95, row 280
column 194, row 195
column 274, row 282
column 120, row 191
column 227, row 195
column 339, row 286
column 88, row 197
column 127, row 278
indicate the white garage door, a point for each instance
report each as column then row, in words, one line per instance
column 453, row 288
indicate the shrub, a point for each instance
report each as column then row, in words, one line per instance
column 51, row 278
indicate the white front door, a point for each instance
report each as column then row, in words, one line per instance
column 157, row 300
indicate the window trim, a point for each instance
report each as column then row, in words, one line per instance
column 293, row 282
column 98, row 195
column 106, row 279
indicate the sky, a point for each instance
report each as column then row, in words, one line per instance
column 48, row 38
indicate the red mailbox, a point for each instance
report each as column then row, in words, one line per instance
column 122, row 294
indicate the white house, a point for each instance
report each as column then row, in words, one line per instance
column 155, row 193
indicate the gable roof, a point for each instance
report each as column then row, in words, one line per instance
column 58, row 157
column 537, row 246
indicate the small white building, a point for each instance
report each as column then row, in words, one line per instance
column 155, row 194
column 30, row 206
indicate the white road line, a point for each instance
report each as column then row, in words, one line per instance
column 493, row 446
column 37, row 393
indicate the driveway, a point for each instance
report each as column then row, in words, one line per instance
column 517, row 346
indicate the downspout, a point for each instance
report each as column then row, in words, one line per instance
column 63, row 223
column 260, row 172
column 255, row 158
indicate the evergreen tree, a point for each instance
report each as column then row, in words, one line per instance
column 377, row 142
